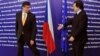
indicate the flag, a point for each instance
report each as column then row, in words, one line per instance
column 48, row 33
column 64, row 36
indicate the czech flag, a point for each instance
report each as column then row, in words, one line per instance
column 48, row 33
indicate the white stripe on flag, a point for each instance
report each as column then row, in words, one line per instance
column 50, row 19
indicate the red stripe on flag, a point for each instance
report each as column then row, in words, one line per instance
column 47, row 36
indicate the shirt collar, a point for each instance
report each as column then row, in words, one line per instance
column 23, row 12
column 78, row 11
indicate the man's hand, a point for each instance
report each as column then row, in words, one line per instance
column 60, row 26
column 71, row 39
column 31, row 42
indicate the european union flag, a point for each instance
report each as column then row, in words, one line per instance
column 64, row 36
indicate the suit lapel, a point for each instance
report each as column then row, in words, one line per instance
column 20, row 16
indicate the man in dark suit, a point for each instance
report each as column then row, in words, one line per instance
column 26, row 29
column 78, row 35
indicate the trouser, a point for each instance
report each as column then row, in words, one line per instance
column 21, row 43
column 78, row 49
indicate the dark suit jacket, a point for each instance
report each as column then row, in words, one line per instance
column 79, row 27
column 29, row 29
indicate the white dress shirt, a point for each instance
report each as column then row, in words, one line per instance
column 78, row 12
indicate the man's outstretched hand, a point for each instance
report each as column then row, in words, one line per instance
column 71, row 39
column 60, row 26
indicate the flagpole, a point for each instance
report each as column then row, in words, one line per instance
column 47, row 17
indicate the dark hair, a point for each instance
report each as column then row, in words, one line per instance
column 26, row 3
column 79, row 4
